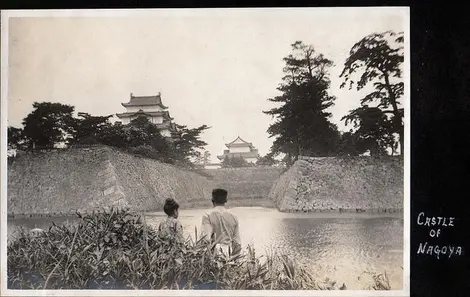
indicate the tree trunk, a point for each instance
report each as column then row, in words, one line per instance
column 298, row 147
column 401, row 136
column 396, row 113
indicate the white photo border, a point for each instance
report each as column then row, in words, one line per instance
column 113, row 13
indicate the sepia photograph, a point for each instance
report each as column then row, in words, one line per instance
column 247, row 151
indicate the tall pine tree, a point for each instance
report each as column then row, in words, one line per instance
column 302, row 123
column 377, row 61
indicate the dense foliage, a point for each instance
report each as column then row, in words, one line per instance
column 302, row 125
column 234, row 162
column 116, row 250
column 267, row 160
column 87, row 129
column 189, row 145
column 378, row 58
column 50, row 124
column 47, row 124
column 16, row 138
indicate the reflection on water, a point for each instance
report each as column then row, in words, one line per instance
column 340, row 246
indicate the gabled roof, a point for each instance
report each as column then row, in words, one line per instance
column 145, row 101
column 164, row 114
column 239, row 142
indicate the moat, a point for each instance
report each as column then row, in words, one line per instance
column 340, row 246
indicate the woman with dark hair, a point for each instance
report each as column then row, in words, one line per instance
column 171, row 226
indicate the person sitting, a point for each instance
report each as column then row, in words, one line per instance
column 171, row 226
column 221, row 226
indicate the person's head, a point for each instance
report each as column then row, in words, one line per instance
column 219, row 197
column 171, row 207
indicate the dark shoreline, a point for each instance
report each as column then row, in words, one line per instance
column 351, row 210
column 73, row 213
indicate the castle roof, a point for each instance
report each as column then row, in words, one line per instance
column 145, row 101
column 238, row 142
column 164, row 114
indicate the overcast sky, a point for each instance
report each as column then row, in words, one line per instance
column 212, row 67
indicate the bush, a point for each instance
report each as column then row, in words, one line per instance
column 147, row 152
column 115, row 250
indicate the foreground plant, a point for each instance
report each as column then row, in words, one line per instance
column 116, row 250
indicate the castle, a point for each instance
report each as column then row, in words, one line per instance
column 240, row 148
column 151, row 107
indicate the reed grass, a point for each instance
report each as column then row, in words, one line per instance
column 116, row 250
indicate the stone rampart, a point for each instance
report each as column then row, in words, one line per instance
column 349, row 184
column 246, row 182
column 84, row 179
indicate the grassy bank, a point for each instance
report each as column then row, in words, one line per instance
column 115, row 250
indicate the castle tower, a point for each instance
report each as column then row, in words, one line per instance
column 240, row 148
column 151, row 107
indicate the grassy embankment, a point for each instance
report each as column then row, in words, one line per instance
column 116, row 250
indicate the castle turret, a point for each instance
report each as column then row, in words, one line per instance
column 151, row 107
column 240, row 148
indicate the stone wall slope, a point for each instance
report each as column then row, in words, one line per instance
column 349, row 184
column 246, row 182
column 65, row 181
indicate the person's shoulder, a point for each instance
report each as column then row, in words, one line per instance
column 232, row 215
column 213, row 211
column 172, row 220
column 178, row 223
column 206, row 214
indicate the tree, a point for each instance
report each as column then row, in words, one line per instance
column 142, row 137
column 206, row 157
column 139, row 137
column 234, row 162
column 15, row 137
column 189, row 145
column 51, row 123
column 113, row 135
column 267, row 160
column 87, row 128
column 379, row 58
column 373, row 132
column 203, row 158
column 48, row 124
column 302, row 125
column 145, row 137
column 348, row 145
column 141, row 131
